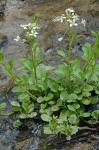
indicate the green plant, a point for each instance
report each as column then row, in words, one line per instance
column 2, row 108
column 63, row 99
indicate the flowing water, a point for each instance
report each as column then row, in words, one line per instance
column 13, row 13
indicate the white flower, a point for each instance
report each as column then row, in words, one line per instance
column 58, row 19
column 75, row 24
column 70, row 17
column 83, row 22
column 32, row 33
column 75, row 17
column 60, row 39
column 63, row 16
column 30, row 25
column 36, row 33
column 17, row 38
column 31, row 29
column 69, row 10
column 23, row 26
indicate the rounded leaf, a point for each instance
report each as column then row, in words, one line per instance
column 73, row 119
column 15, row 103
column 46, row 117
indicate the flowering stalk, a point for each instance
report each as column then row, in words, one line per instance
column 31, row 34
column 72, row 20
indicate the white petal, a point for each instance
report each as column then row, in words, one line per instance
column 60, row 39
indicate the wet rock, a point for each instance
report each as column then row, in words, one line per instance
column 4, row 146
column 48, row 52
column 79, row 146
column 35, row 144
column 7, row 136
column 94, row 107
column 23, row 145
column 3, row 40
column 5, row 82
column 2, row 6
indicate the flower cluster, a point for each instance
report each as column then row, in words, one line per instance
column 70, row 17
column 31, row 30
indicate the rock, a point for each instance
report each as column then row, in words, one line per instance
column 2, row 6
column 3, row 40
column 5, row 82
column 94, row 107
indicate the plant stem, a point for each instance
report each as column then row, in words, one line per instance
column 33, row 57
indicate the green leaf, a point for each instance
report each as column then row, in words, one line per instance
column 31, row 107
column 2, row 106
column 95, row 99
column 95, row 114
column 60, row 88
column 24, row 97
column 25, row 106
column 10, row 64
column 77, row 90
column 86, row 93
column 86, row 101
column 1, row 57
column 43, row 106
column 9, row 68
column 80, row 97
column 76, row 106
column 49, row 68
column 72, row 98
column 97, row 91
column 48, row 111
column 54, row 108
column 62, row 70
column 41, row 71
column 64, row 115
column 15, row 103
column 16, row 109
column 88, row 87
column 17, row 124
column 70, row 107
column 73, row 119
column 27, row 63
column 61, row 53
column 47, row 130
column 63, row 95
column 22, row 116
column 87, row 51
column 74, row 130
column 51, row 102
column 85, row 114
column 18, row 89
column 40, row 99
column 76, row 69
column 48, row 97
column 25, row 78
column 52, row 85
column 32, row 115
column 46, row 117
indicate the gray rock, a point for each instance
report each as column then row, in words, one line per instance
column 3, row 40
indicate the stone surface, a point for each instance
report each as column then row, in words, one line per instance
column 3, row 40
column 18, row 12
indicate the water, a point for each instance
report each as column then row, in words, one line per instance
column 12, row 14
